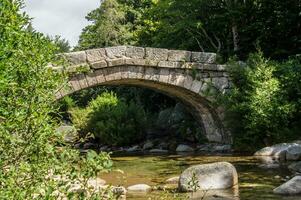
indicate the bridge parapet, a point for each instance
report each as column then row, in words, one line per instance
column 139, row 56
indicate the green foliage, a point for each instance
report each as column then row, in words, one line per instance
column 62, row 44
column 228, row 27
column 113, row 121
column 113, row 23
column 194, row 183
column 262, row 101
column 30, row 150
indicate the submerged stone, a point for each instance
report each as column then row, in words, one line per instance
column 173, row 180
column 158, row 151
column 139, row 188
column 291, row 187
column 295, row 167
column 184, row 148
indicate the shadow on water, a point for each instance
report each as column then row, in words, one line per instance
column 256, row 182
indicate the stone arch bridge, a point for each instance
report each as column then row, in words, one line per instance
column 191, row 77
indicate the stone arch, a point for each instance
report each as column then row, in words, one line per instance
column 174, row 73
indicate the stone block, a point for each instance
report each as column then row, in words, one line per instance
column 164, row 75
column 99, row 75
column 132, row 72
column 91, row 79
column 196, row 86
column 156, row 54
column 124, row 72
column 151, row 63
column 135, row 61
column 178, row 55
column 95, row 55
column 66, row 90
column 74, row 84
column 205, row 75
column 209, row 67
column 221, row 67
column 135, row 52
column 76, row 58
column 192, row 65
column 140, row 72
column 180, row 79
column 203, row 57
column 111, row 73
column 99, row 64
column 220, row 83
column 116, row 62
column 170, row 64
column 82, row 81
column 150, row 74
column 188, row 81
column 172, row 77
column 116, row 52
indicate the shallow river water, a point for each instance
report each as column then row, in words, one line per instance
column 256, row 182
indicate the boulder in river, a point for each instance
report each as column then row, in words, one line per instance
column 158, row 151
column 220, row 175
column 139, row 188
column 184, row 148
column 173, row 180
column 295, row 167
column 133, row 148
column 277, row 151
column 291, row 187
column 148, row 145
column 293, row 153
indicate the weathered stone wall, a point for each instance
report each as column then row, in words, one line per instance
column 192, row 77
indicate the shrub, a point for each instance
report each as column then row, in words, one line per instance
column 111, row 120
column 259, row 109
column 28, row 143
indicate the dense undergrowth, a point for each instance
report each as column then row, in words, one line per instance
column 122, row 119
column 31, row 153
column 264, row 105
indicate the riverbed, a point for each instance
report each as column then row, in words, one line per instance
column 256, row 179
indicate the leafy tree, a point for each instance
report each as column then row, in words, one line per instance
column 62, row 44
column 260, row 103
column 113, row 23
column 31, row 152
column 228, row 27
column 108, row 26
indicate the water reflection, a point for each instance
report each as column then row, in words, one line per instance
column 255, row 181
column 229, row 194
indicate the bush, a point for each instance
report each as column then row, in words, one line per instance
column 111, row 120
column 29, row 148
column 260, row 110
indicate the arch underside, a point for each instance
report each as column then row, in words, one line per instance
column 177, row 84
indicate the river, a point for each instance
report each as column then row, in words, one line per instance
column 256, row 180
